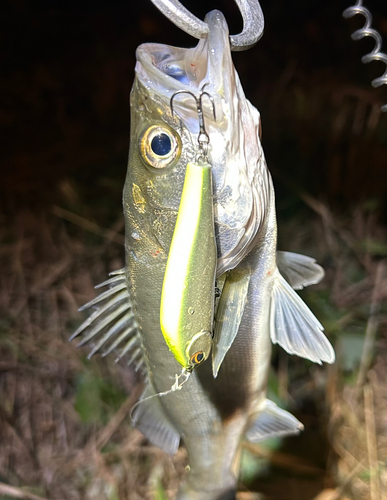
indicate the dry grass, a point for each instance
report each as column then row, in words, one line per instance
column 49, row 442
column 64, row 421
column 357, row 399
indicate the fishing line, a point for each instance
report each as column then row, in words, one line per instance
column 175, row 387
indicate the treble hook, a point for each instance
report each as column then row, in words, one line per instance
column 253, row 21
column 203, row 137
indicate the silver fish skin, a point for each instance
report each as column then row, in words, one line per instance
column 225, row 400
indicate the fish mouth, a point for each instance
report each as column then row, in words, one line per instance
column 165, row 70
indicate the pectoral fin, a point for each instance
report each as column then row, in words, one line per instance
column 150, row 419
column 272, row 421
column 228, row 315
column 299, row 270
column 294, row 327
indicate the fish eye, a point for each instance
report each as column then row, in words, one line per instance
column 197, row 358
column 160, row 146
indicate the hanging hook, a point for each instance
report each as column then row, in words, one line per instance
column 252, row 15
column 203, row 137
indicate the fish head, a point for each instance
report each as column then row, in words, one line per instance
column 164, row 140
column 165, row 128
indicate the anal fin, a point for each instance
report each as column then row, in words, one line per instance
column 294, row 327
column 149, row 417
column 273, row 421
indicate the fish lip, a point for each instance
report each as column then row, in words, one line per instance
column 146, row 69
column 211, row 61
column 208, row 65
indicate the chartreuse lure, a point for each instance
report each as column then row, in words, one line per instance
column 187, row 297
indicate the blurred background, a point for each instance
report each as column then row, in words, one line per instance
column 65, row 76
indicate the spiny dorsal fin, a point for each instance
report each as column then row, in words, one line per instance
column 273, row 421
column 294, row 327
column 149, row 417
column 299, row 270
column 112, row 324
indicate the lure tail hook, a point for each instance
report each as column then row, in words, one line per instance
column 203, row 137
column 376, row 54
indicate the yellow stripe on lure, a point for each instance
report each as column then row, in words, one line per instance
column 187, row 298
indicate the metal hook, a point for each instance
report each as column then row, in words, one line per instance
column 203, row 137
column 252, row 15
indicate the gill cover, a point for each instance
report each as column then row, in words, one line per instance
column 187, row 298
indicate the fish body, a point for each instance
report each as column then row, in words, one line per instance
column 224, row 399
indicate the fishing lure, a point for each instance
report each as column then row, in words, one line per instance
column 187, row 297
column 376, row 54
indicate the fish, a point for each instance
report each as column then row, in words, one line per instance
column 255, row 305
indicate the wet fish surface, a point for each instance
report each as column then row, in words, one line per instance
column 224, row 398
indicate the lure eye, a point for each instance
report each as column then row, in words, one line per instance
column 160, row 146
column 199, row 348
column 197, row 358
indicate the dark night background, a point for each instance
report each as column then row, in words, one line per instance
column 67, row 68
column 65, row 76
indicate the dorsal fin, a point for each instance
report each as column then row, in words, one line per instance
column 112, row 325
